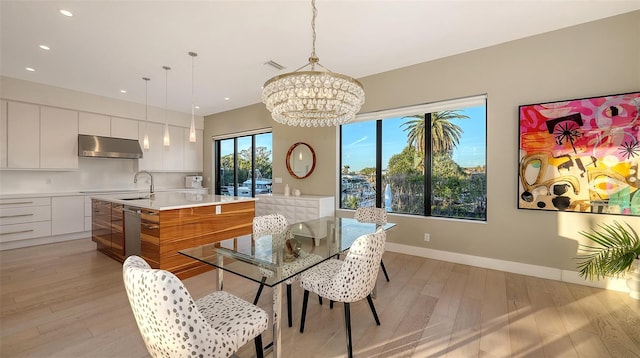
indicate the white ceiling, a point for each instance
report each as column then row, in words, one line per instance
column 110, row 45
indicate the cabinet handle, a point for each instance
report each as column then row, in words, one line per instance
column 17, row 202
column 150, row 213
column 15, row 216
column 151, row 227
column 16, row 232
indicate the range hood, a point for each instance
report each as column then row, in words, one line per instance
column 108, row 147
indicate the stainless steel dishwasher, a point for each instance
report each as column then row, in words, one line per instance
column 131, row 230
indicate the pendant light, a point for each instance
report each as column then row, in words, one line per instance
column 166, row 140
column 192, row 129
column 145, row 141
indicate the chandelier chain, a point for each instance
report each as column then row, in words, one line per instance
column 314, row 57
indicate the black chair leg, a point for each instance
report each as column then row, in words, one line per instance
column 289, row 305
column 258, row 342
column 305, row 299
column 255, row 300
column 373, row 310
column 384, row 270
column 347, row 323
column 320, row 300
column 330, row 304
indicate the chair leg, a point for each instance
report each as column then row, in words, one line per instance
column 305, row 299
column 384, row 270
column 347, row 323
column 373, row 309
column 289, row 305
column 320, row 300
column 258, row 343
column 330, row 304
column 255, row 300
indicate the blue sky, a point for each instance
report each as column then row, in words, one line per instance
column 359, row 141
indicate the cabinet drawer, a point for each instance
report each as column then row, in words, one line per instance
column 11, row 203
column 27, row 214
column 24, row 231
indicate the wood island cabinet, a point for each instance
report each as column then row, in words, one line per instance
column 165, row 232
column 107, row 228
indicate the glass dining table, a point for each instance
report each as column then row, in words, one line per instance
column 269, row 260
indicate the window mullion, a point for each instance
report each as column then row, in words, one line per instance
column 428, row 193
column 379, row 191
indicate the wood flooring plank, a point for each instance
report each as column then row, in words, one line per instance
column 66, row 300
column 494, row 339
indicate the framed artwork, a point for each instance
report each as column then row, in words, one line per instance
column 581, row 155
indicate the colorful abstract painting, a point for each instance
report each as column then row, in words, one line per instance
column 581, row 155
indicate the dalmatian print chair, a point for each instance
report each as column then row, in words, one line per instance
column 348, row 280
column 377, row 216
column 277, row 224
column 172, row 324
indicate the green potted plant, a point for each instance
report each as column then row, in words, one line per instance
column 614, row 252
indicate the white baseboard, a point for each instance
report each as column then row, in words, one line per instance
column 616, row 284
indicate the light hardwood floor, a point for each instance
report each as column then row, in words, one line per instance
column 67, row 300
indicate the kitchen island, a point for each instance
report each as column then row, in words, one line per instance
column 167, row 222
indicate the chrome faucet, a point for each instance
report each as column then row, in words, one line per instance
column 135, row 180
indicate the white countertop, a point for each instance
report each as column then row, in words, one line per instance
column 171, row 200
column 94, row 192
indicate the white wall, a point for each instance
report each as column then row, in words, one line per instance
column 597, row 58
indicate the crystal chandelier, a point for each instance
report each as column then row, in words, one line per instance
column 313, row 98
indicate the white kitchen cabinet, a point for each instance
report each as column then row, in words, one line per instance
column 173, row 155
column 151, row 158
column 58, row 138
column 3, row 134
column 295, row 208
column 67, row 214
column 23, row 145
column 193, row 151
column 94, row 124
column 23, row 219
column 124, row 128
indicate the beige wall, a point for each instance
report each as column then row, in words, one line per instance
column 597, row 58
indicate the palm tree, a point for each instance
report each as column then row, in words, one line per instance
column 445, row 135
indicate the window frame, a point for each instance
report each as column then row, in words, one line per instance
column 217, row 189
column 427, row 109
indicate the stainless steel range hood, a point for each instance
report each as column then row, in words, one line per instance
column 108, row 147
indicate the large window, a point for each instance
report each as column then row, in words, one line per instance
column 243, row 165
column 389, row 160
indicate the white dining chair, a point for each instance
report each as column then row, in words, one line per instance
column 172, row 324
column 349, row 280
column 377, row 216
column 277, row 225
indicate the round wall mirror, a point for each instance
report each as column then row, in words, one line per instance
column 301, row 160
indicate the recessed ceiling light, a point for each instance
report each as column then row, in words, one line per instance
column 197, row 107
column 30, row 69
column 45, row 47
column 65, row 12
column 123, row 91
column 226, row 98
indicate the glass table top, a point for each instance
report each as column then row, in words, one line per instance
column 276, row 258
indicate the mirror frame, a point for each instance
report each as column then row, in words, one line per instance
column 288, row 160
